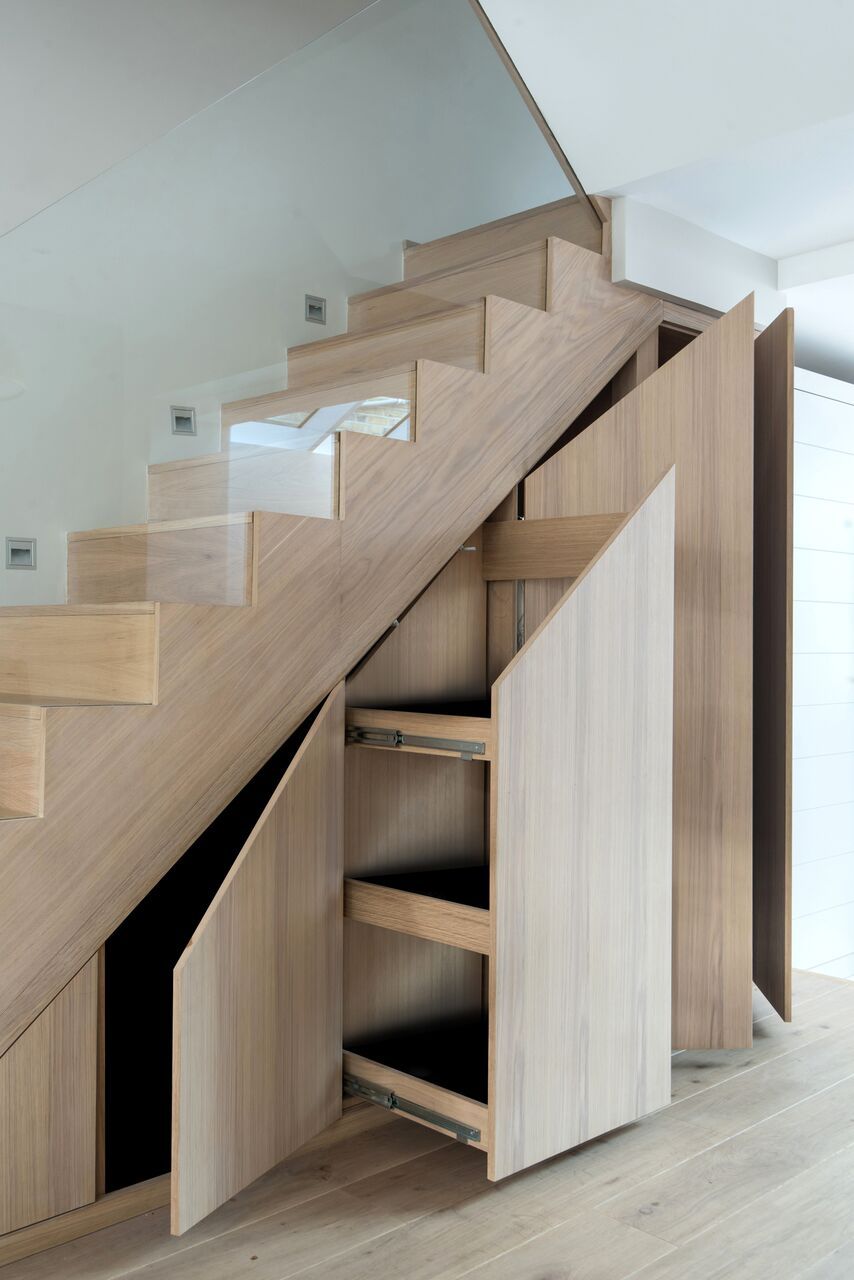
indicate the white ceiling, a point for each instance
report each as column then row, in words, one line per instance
column 84, row 84
column 737, row 117
column 632, row 89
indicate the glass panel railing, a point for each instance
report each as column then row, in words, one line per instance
column 181, row 276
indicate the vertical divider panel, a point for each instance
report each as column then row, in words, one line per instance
column 257, row 993
column 581, row 861
column 772, row 661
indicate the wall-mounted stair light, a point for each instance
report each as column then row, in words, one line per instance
column 183, row 420
column 315, row 309
column 20, row 553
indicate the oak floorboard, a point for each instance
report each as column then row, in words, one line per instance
column 396, row 1199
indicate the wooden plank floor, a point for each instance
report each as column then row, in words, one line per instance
column 750, row 1173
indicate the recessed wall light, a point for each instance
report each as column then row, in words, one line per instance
column 315, row 309
column 20, row 553
column 183, row 420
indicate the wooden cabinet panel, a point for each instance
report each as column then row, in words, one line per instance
column 581, row 855
column 772, row 662
column 48, row 1085
column 257, row 993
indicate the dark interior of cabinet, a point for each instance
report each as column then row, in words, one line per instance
column 419, row 824
column 138, row 963
column 452, row 1053
column 671, row 340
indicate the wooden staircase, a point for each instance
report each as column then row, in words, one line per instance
column 260, row 612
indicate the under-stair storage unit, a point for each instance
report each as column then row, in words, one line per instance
column 504, row 871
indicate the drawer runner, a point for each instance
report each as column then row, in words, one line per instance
column 369, row 736
column 392, row 1101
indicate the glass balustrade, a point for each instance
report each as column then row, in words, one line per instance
column 178, row 279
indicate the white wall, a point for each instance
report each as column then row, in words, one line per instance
column 179, row 276
column 823, row 765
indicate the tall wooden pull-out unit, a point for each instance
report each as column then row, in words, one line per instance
column 513, row 988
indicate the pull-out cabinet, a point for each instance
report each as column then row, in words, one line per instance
column 505, row 876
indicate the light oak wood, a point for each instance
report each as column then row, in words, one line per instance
column 455, row 337
column 696, row 411
column 503, row 603
column 565, row 219
column 47, row 1108
column 580, row 863
column 257, row 993
column 64, row 655
column 22, row 739
column 244, row 478
column 433, row 1097
column 436, row 652
column 399, row 385
column 400, row 1198
column 558, row 548
column 772, row 662
column 452, row 923
column 641, row 365
column 116, row 1206
column 206, row 561
column 520, row 274
column 408, row 812
column 234, row 683
column 466, row 729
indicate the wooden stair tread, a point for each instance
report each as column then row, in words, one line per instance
column 46, row 700
column 75, row 610
column 352, row 339
column 161, row 526
column 398, row 382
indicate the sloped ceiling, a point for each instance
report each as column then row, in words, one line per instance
column 84, row 84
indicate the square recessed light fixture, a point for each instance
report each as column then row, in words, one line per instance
column 315, row 309
column 183, row 420
column 20, row 553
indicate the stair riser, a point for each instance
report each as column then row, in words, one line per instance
column 79, row 658
column 206, row 564
column 520, row 277
column 456, row 338
column 287, row 480
column 567, row 220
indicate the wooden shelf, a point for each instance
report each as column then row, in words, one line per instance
column 441, row 1068
column 438, row 732
column 449, row 905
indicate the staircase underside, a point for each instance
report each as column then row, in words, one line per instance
column 130, row 788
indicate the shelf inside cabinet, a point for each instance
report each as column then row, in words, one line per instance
column 435, row 1074
column 448, row 730
column 448, row 905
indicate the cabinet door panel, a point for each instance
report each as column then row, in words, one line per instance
column 257, row 993
column 772, row 662
column 48, row 1087
column 581, row 865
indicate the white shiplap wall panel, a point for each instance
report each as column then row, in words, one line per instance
column 823, row 732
